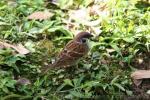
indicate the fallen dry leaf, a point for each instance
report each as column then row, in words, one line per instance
column 121, row 63
column 1, row 46
column 138, row 75
column 19, row 48
column 23, row 81
column 4, row 45
column 40, row 15
column 80, row 14
column 100, row 10
column 148, row 92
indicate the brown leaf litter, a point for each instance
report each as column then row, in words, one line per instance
column 19, row 47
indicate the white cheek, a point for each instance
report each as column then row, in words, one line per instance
column 87, row 41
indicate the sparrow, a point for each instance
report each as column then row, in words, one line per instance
column 72, row 52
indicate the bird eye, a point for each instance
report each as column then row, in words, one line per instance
column 83, row 40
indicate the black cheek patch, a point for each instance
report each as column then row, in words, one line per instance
column 83, row 40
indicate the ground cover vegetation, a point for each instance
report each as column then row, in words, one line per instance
column 32, row 32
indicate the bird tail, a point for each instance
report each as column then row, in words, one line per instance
column 45, row 69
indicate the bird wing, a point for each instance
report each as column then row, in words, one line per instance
column 72, row 52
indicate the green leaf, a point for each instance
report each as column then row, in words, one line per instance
column 65, row 4
column 5, row 89
column 5, row 52
column 130, row 93
column 3, row 23
column 86, row 2
column 77, row 82
column 129, row 39
column 115, row 47
column 114, row 79
column 91, row 84
column 61, row 87
column 11, row 83
column 119, row 86
column 69, row 96
column 68, row 82
column 77, row 94
column 35, row 30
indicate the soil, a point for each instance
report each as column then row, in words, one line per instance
column 140, row 92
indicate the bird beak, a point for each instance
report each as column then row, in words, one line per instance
column 91, row 35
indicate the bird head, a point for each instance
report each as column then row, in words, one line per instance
column 83, row 36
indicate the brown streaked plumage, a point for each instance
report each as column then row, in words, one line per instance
column 72, row 52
